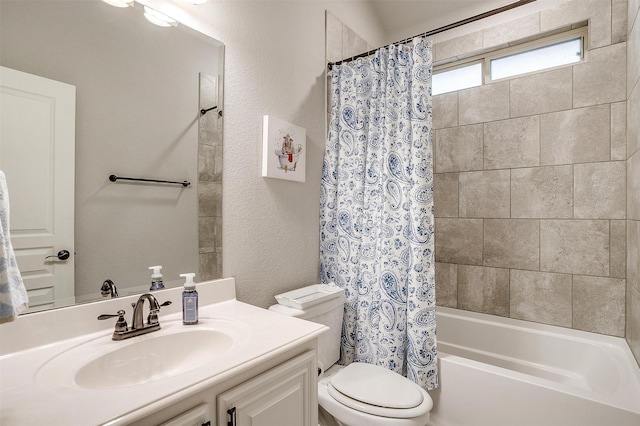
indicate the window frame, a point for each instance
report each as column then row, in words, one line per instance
column 452, row 66
column 485, row 58
column 551, row 40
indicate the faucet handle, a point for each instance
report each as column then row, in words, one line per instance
column 152, row 319
column 121, row 323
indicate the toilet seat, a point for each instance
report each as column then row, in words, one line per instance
column 377, row 391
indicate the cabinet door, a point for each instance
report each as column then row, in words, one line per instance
column 284, row 395
column 198, row 416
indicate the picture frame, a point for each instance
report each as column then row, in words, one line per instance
column 284, row 150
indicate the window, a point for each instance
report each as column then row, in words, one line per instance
column 457, row 79
column 545, row 53
column 549, row 56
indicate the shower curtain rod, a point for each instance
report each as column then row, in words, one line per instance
column 440, row 30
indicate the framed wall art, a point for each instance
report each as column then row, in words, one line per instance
column 284, row 150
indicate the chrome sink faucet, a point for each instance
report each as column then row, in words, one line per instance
column 109, row 289
column 138, row 326
column 138, row 307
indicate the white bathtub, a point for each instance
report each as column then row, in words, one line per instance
column 499, row 371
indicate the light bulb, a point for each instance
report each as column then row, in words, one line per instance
column 158, row 18
column 119, row 3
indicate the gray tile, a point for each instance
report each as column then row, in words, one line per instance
column 445, row 194
column 209, row 127
column 445, row 110
column 209, row 231
column 484, row 103
column 618, row 254
column 575, row 136
column 541, row 297
column 618, row 21
column 459, row 241
column 598, row 305
column 333, row 38
column 633, row 57
column 633, row 186
column 458, row 149
column 512, row 143
column 633, row 121
column 510, row 31
column 541, row 92
column 602, row 79
column 598, row 13
column 512, row 243
column 210, row 135
column 207, row 163
column 352, row 43
column 208, row 90
column 627, row 314
column 619, row 131
column 447, row 285
column 542, row 192
column 633, row 318
column 210, row 266
column 632, row 12
column 483, row 290
column 575, row 246
column 458, row 46
column 600, row 190
column 484, row 194
column 209, row 198
column 633, row 254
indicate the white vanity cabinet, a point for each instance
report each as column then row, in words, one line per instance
column 283, row 395
column 239, row 356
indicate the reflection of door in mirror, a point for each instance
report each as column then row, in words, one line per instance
column 37, row 142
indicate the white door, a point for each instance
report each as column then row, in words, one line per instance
column 37, row 154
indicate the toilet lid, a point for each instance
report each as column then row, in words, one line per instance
column 375, row 385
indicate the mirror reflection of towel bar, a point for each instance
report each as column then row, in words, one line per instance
column 204, row 111
column 114, row 178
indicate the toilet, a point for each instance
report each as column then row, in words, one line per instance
column 359, row 394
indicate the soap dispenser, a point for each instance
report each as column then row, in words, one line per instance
column 189, row 300
column 156, row 278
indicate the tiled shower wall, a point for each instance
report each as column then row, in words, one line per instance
column 530, row 180
column 633, row 178
column 210, row 180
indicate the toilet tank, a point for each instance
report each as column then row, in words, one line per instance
column 329, row 313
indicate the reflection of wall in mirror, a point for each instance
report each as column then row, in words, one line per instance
column 137, row 115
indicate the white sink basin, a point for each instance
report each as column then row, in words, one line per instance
column 175, row 349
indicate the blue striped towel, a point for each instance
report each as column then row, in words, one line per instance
column 13, row 294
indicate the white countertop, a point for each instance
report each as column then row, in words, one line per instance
column 23, row 401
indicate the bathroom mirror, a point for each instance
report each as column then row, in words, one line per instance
column 139, row 89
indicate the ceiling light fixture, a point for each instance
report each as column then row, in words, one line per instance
column 158, row 18
column 119, row 3
column 196, row 1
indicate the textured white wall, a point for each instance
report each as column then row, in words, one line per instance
column 274, row 64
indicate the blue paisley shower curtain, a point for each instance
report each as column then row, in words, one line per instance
column 376, row 210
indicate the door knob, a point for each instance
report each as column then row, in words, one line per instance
column 62, row 255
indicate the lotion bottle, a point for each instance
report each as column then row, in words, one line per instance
column 189, row 300
column 156, row 278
